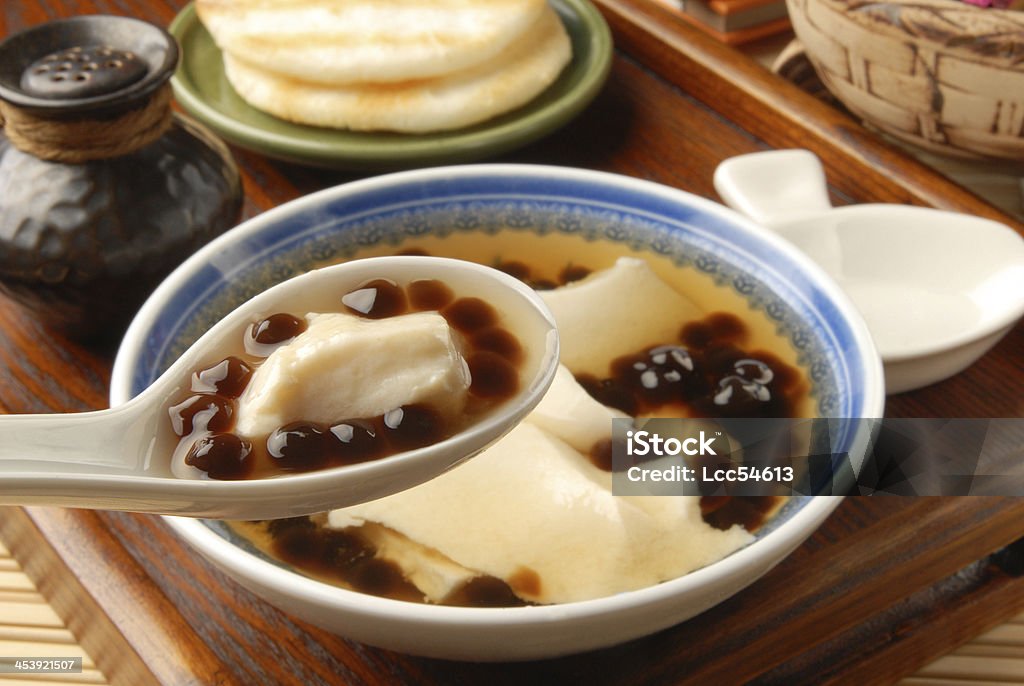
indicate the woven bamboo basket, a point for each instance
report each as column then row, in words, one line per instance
column 941, row 74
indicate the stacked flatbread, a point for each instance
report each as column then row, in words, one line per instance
column 412, row 66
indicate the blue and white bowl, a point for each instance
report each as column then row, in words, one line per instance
column 383, row 214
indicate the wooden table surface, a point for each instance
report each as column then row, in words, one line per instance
column 886, row 585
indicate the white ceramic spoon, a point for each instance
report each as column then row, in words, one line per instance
column 108, row 460
column 937, row 289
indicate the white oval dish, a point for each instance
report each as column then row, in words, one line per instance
column 937, row 289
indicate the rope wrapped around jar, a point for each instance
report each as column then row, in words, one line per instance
column 74, row 141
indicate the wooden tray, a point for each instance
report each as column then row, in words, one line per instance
column 886, row 585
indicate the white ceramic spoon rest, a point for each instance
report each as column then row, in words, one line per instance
column 107, row 459
column 937, row 289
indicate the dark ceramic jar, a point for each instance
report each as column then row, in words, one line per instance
column 103, row 190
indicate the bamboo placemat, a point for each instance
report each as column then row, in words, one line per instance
column 30, row 627
column 996, row 658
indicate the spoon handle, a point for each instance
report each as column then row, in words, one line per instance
column 774, row 187
column 51, row 445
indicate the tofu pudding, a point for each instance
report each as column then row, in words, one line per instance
column 532, row 519
column 395, row 368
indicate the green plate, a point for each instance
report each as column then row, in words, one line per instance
column 203, row 90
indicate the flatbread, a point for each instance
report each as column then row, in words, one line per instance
column 509, row 79
column 359, row 41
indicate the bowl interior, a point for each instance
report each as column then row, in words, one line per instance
column 491, row 206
